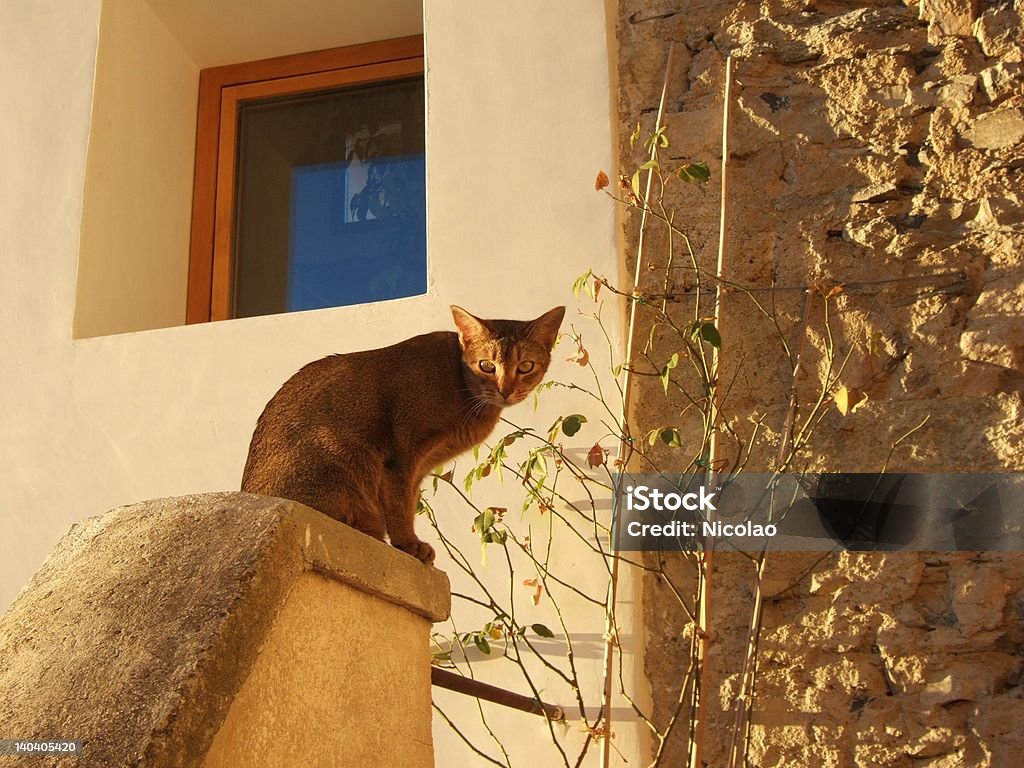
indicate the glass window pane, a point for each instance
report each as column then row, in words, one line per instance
column 331, row 199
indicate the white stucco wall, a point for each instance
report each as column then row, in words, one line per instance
column 519, row 121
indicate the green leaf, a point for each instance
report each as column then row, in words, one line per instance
column 495, row 460
column 511, row 437
column 635, row 135
column 704, row 329
column 528, row 502
column 481, row 643
column 666, row 371
column 534, row 468
column 498, row 453
column 580, row 282
column 694, row 173
column 670, row 437
column 658, row 137
column 541, row 630
column 538, row 389
column 650, row 336
column 571, row 424
column 635, row 185
column 652, row 163
column 710, row 334
column 484, row 525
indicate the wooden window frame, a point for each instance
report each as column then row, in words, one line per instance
column 221, row 92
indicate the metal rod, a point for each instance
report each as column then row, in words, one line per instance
column 707, row 566
column 460, row 684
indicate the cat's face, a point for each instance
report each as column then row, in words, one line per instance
column 506, row 359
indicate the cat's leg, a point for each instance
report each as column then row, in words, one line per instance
column 356, row 498
column 398, row 500
column 358, row 510
column 342, row 485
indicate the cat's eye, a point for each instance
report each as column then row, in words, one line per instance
column 487, row 366
column 525, row 366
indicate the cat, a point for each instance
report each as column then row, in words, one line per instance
column 353, row 435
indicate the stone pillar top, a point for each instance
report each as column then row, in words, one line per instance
column 142, row 624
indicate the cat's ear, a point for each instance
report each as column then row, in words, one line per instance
column 469, row 326
column 544, row 329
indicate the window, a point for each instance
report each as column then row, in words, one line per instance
column 309, row 186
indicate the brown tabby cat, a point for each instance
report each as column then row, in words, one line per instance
column 354, row 435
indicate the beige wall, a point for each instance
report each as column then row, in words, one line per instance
column 133, row 255
column 519, row 121
column 229, row 31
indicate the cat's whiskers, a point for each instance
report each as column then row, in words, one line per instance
column 477, row 404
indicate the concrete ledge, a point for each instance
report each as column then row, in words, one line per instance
column 142, row 626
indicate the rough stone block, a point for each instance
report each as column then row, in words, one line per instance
column 948, row 17
column 1003, row 80
column 973, row 677
column 152, row 629
column 1001, row 33
column 997, row 130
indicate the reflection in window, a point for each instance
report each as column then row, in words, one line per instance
column 331, row 199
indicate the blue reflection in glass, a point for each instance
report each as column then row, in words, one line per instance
column 357, row 232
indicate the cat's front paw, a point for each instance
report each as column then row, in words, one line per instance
column 418, row 549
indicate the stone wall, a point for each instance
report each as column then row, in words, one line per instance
column 877, row 146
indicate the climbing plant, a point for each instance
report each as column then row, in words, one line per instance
column 567, row 472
